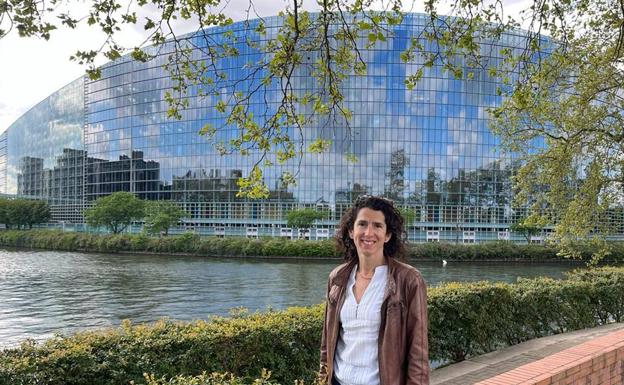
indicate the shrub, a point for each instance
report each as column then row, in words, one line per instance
column 209, row 379
column 252, row 247
column 15, row 238
column 233, row 246
column 466, row 319
column 607, row 297
column 285, row 341
column 238, row 246
column 139, row 242
column 496, row 250
column 475, row 318
column 271, row 247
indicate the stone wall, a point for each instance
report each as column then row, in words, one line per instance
column 596, row 362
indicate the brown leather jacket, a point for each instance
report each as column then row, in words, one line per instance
column 403, row 345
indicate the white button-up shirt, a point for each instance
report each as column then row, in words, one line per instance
column 355, row 362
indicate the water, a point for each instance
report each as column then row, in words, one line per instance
column 44, row 292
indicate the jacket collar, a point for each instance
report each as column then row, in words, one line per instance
column 342, row 275
column 391, row 284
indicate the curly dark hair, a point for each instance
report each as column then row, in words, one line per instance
column 395, row 247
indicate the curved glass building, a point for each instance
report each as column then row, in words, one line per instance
column 428, row 148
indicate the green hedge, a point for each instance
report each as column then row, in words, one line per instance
column 471, row 319
column 285, row 341
column 464, row 320
column 271, row 247
column 211, row 379
column 185, row 243
column 494, row 250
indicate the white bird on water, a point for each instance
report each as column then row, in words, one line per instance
column 443, row 262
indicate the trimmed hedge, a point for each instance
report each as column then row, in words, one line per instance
column 285, row 341
column 476, row 318
column 464, row 320
column 185, row 243
column 211, row 379
column 275, row 247
column 494, row 250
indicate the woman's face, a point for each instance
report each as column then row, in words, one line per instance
column 369, row 233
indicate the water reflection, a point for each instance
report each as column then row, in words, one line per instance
column 43, row 292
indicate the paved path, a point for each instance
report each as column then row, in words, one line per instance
column 488, row 365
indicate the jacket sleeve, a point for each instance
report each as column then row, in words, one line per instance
column 417, row 336
column 323, row 359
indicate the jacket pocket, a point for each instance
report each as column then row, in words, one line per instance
column 395, row 307
column 395, row 325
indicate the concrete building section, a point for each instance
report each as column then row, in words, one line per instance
column 533, row 361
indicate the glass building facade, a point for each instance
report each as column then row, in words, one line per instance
column 429, row 148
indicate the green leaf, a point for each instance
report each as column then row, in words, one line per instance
column 319, row 145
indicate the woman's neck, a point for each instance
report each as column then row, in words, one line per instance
column 367, row 265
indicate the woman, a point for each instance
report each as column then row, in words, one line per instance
column 375, row 329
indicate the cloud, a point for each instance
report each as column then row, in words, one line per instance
column 33, row 69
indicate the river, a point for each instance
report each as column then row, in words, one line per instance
column 46, row 292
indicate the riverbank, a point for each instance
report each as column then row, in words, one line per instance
column 485, row 317
column 191, row 244
column 49, row 292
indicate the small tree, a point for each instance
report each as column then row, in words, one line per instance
column 303, row 218
column 161, row 215
column 409, row 216
column 18, row 212
column 4, row 213
column 115, row 211
column 13, row 212
column 38, row 212
column 527, row 229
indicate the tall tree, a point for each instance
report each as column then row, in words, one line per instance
column 115, row 211
column 161, row 215
column 562, row 112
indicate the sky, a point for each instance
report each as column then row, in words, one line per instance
column 32, row 69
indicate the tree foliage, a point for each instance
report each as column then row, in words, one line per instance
column 18, row 213
column 527, row 229
column 322, row 46
column 562, row 113
column 115, row 211
column 160, row 216
column 303, row 218
column 39, row 213
column 564, row 119
column 409, row 215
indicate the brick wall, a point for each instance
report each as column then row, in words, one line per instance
column 596, row 362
